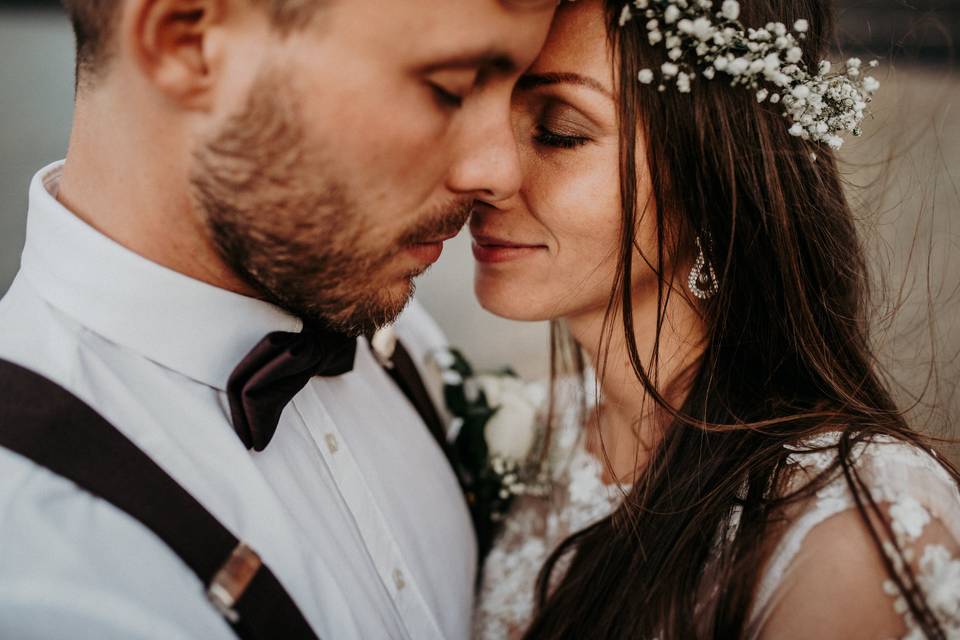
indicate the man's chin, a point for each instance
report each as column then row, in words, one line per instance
column 379, row 309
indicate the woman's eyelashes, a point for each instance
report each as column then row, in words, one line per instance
column 561, row 127
column 548, row 138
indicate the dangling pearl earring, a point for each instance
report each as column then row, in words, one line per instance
column 702, row 280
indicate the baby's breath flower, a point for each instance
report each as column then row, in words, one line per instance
column 730, row 10
column 768, row 60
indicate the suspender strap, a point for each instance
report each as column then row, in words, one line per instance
column 46, row 424
column 404, row 372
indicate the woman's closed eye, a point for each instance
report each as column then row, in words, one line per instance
column 561, row 127
column 549, row 138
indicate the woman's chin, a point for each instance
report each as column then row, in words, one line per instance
column 509, row 302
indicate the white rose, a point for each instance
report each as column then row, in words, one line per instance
column 491, row 387
column 511, row 431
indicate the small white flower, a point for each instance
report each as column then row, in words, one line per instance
column 771, row 63
column 796, row 130
column 451, row 377
column 762, row 95
column 854, row 63
column 625, row 15
column 669, row 69
column 730, row 9
column 703, row 28
column 652, row 25
column 870, row 84
column 685, row 26
column 794, row 54
column 654, row 37
column 825, row 67
column 909, row 516
column 645, row 76
column 737, row 66
column 384, row 343
column 775, row 98
column 671, row 14
column 683, row 83
column 835, row 142
column 801, row 26
column 940, row 579
column 471, row 390
column 443, row 358
column 709, row 73
column 674, row 54
column 800, row 92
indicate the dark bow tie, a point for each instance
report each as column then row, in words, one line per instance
column 275, row 370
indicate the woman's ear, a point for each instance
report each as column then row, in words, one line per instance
column 169, row 43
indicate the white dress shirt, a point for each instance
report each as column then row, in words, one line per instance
column 352, row 505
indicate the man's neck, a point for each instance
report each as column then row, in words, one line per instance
column 130, row 181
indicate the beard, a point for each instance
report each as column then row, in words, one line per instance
column 294, row 230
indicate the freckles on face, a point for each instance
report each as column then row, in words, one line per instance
column 565, row 118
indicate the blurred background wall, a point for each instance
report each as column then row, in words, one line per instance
column 904, row 174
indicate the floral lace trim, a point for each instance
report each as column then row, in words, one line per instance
column 581, row 497
column 533, row 530
column 938, row 572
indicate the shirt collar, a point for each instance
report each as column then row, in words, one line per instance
column 181, row 323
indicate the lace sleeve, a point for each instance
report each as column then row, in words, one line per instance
column 829, row 579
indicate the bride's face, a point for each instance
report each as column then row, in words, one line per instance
column 551, row 251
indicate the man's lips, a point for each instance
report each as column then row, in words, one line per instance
column 489, row 249
column 428, row 251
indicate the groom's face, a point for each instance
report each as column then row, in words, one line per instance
column 358, row 144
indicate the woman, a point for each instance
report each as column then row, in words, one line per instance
column 745, row 472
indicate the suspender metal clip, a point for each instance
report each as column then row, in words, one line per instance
column 232, row 580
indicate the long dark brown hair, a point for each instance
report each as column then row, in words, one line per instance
column 787, row 354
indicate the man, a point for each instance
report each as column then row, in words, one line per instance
column 240, row 168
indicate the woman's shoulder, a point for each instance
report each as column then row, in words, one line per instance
column 831, row 555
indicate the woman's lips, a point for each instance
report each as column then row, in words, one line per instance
column 489, row 250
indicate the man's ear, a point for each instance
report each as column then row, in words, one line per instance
column 168, row 39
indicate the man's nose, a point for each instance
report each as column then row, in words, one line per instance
column 487, row 163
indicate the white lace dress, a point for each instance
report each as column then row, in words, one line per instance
column 824, row 571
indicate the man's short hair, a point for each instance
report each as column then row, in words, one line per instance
column 94, row 22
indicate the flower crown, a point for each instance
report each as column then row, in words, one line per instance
column 769, row 61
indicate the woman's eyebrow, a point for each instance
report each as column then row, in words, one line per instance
column 533, row 80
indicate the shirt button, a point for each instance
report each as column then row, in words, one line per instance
column 332, row 443
column 398, row 579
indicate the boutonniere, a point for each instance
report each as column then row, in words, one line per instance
column 498, row 441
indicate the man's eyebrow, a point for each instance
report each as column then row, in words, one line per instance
column 500, row 62
column 533, row 80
